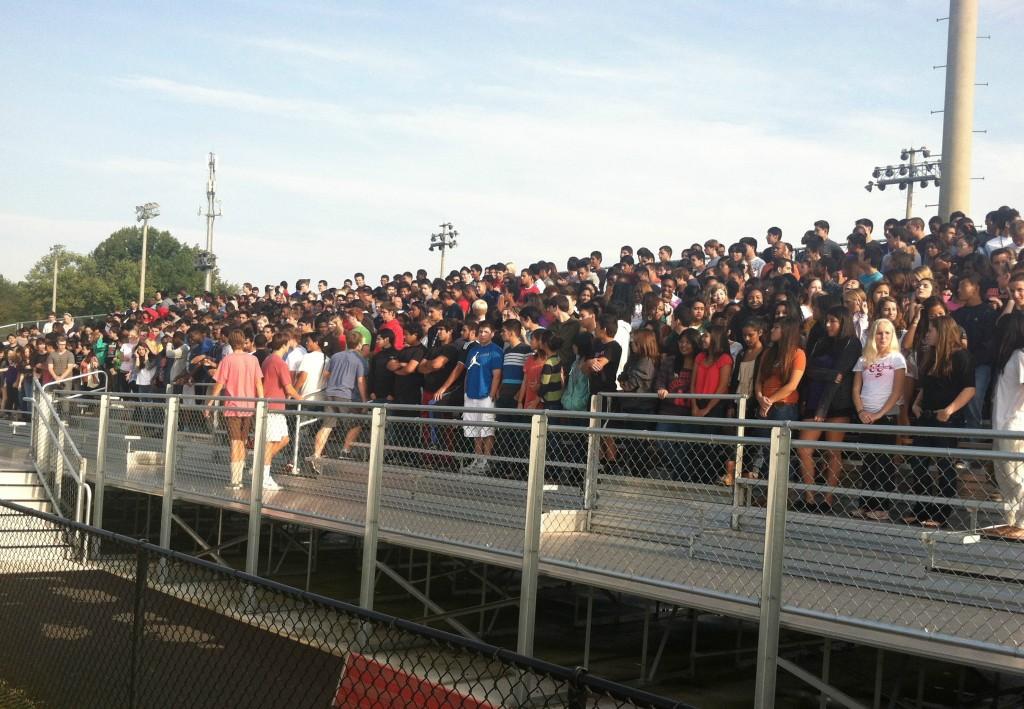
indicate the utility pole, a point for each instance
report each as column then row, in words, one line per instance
column 906, row 176
column 212, row 212
column 910, row 186
column 143, row 214
column 55, row 250
column 444, row 241
column 958, row 109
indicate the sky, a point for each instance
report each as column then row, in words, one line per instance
column 347, row 132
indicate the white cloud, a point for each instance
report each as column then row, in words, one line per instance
column 358, row 56
column 236, row 100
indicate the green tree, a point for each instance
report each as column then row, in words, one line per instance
column 170, row 266
column 107, row 279
column 13, row 305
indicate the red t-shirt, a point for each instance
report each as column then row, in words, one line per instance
column 396, row 328
column 275, row 378
column 706, row 375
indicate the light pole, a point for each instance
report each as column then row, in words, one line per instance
column 444, row 241
column 143, row 214
column 958, row 109
column 55, row 250
column 908, row 174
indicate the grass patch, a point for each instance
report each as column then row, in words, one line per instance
column 11, row 698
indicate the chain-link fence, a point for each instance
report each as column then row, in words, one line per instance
column 658, row 507
column 60, row 464
column 140, row 626
column 888, row 531
column 905, row 536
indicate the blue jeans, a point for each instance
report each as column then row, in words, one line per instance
column 778, row 412
column 982, row 379
column 26, row 394
column 673, row 454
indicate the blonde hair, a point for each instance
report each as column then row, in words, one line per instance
column 923, row 272
column 871, row 353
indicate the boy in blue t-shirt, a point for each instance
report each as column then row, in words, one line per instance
column 481, row 363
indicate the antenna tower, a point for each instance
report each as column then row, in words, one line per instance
column 207, row 259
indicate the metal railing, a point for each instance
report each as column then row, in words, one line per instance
column 607, row 498
column 153, row 616
column 61, row 466
column 15, row 326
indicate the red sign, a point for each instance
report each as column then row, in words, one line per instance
column 368, row 684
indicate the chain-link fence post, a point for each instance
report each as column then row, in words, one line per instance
column 578, row 694
column 41, row 428
column 58, row 466
column 170, row 449
column 378, row 431
column 99, row 487
column 737, row 472
column 531, row 542
column 259, row 449
column 593, row 458
column 138, row 624
column 81, row 514
column 771, row 579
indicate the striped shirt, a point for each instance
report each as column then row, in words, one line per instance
column 551, row 386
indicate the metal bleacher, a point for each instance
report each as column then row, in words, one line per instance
column 951, row 593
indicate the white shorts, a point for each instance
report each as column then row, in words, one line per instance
column 277, row 427
column 483, row 416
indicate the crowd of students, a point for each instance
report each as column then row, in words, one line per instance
column 919, row 325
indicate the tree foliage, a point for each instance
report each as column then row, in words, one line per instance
column 107, row 279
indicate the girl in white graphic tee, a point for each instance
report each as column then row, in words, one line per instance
column 877, row 388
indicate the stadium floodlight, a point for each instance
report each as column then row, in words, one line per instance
column 443, row 241
column 143, row 214
column 149, row 210
column 907, row 175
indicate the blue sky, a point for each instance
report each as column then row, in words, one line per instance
column 346, row 132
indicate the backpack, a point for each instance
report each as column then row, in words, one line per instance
column 576, row 396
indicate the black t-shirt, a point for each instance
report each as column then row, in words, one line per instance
column 408, row 388
column 605, row 379
column 979, row 322
column 436, row 379
column 938, row 392
column 382, row 381
column 454, row 312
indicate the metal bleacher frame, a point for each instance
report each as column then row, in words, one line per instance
column 678, row 543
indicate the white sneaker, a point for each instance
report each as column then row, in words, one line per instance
column 473, row 466
column 269, row 484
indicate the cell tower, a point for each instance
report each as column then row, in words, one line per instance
column 207, row 261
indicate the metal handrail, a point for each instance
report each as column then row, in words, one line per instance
column 39, row 323
column 75, row 471
column 852, row 427
column 76, row 377
column 655, row 395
